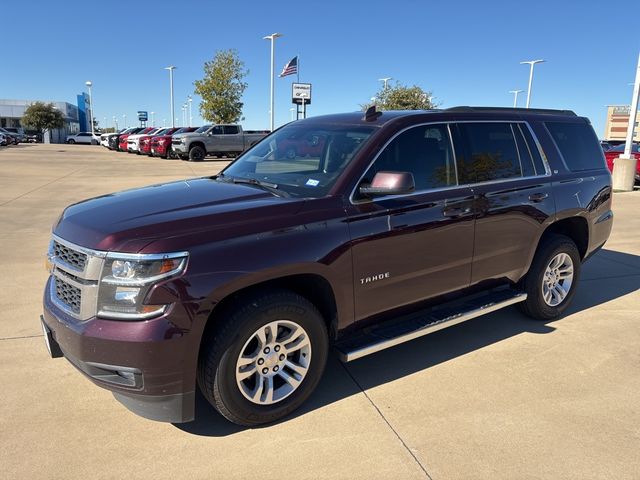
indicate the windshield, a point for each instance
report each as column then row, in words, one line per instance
column 302, row 160
column 203, row 129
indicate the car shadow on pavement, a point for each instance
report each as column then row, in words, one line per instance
column 606, row 277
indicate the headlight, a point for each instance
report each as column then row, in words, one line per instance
column 127, row 279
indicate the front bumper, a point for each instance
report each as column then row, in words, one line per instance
column 179, row 147
column 145, row 364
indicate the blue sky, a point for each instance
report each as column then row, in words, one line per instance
column 465, row 52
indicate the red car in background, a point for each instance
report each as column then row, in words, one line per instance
column 145, row 141
column 160, row 145
column 294, row 146
column 615, row 152
column 122, row 145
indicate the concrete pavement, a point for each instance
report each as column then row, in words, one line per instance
column 500, row 396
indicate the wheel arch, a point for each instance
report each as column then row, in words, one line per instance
column 312, row 286
column 576, row 228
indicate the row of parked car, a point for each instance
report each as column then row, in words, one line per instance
column 152, row 141
column 186, row 143
column 11, row 136
column 611, row 152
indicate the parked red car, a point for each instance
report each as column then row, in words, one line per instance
column 145, row 141
column 615, row 152
column 122, row 145
column 161, row 144
column 295, row 146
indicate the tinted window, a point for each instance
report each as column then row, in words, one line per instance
column 231, row 130
column 533, row 150
column 425, row 152
column 217, row 130
column 526, row 163
column 489, row 153
column 578, row 145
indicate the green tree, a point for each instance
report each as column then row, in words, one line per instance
column 402, row 97
column 222, row 87
column 42, row 116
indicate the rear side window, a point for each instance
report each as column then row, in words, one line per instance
column 578, row 145
column 489, row 153
column 231, row 130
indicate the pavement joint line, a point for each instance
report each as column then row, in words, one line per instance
column 42, row 186
column 25, row 336
column 387, row 422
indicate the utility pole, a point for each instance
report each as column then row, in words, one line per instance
column 385, row 80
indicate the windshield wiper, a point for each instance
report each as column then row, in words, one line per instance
column 271, row 187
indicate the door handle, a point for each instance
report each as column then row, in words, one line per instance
column 538, row 197
column 456, row 211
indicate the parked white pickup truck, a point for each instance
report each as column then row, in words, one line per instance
column 216, row 140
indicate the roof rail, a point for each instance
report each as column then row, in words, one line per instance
column 549, row 111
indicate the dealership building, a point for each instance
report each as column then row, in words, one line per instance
column 12, row 111
column 615, row 128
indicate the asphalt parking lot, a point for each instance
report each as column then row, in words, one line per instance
column 501, row 396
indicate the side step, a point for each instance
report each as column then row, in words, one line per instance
column 391, row 333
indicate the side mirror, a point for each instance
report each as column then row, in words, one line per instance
column 389, row 183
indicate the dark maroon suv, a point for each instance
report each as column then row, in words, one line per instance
column 397, row 225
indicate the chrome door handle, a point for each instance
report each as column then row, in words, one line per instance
column 538, row 197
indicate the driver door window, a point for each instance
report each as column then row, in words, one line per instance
column 424, row 151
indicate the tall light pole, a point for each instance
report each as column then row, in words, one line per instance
column 124, row 120
column 624, row 167
column 272, row 37
column 115, row 124
column 171, row 68
column 385, row 80
column 164, row 122
column 515, row 96
column 531, row 63
column 152, row 119
column 89, row 84
column 292, row 110
column 190, row 111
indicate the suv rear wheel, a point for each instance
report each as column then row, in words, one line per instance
column 551, row 281
column 265, row 360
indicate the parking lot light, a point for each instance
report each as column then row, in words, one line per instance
column 152, row 120
column 89, row 85
column 515, row 96
column 532, row 64
column 272, row 37
column 190, row 111
column 171, row 68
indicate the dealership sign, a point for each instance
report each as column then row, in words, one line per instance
column 299, row 92
column 143, row 116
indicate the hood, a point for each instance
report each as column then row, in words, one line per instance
column 128, row 221
column 187, row 135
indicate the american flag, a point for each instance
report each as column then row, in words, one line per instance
column 290, row 68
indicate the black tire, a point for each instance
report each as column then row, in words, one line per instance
column 71, row 141
column 196, row 153
column 535, row 305
column 223, row 345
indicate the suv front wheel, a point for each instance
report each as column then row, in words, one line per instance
column 266, row 358
column 551, row 281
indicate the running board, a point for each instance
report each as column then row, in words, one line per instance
column 389, row 334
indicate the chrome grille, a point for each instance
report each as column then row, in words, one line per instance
column 69, row 256
column 68, row 294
